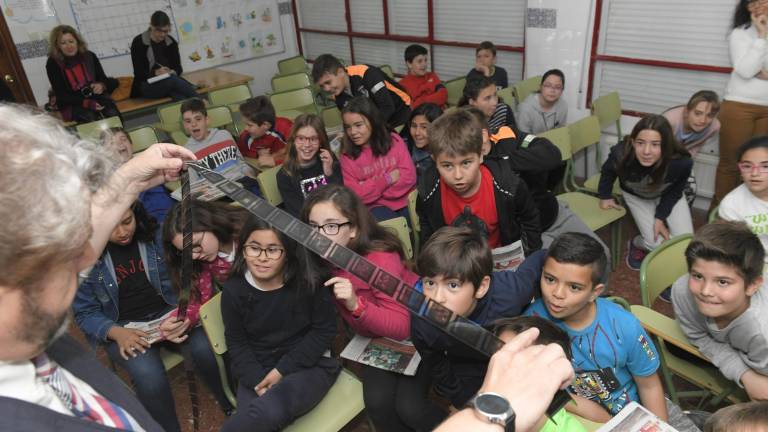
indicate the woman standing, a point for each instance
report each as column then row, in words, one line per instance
column 81, row 87
column 744, row 113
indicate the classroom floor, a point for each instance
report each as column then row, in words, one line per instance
column 623, row 282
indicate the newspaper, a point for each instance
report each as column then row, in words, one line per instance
column 383, row 353
column 635, row 418
column 205, row 191
column 508, row 257
column 151, row 328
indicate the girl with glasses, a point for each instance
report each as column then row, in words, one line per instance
column 545, row 109
column 279, row 322
column 310, row 164
column 392, row 401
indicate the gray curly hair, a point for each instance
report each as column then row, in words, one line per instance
column 47, row 176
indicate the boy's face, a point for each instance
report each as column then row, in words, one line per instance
column 257, row 130
column 567, row 291
column 196, row 124
column 700, row 117
column 334, row 83
column 719, row 290
column 754, row 170
column 485, row 57
column 459, row 297
column 460, row 173
column 486, row 101
column 418, row 66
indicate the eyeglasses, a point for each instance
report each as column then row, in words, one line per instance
column 331, row 228
column 300, row 139
column 749, row 167
column 272, row 252
column 553, row 87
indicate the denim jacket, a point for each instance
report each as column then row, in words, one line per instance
column 96, row 301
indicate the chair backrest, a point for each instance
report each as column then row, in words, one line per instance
column 221, row 117
column 281, row 83
column 292, row 65
column 230, row 95
column 560, row 137
column 713, row 215
column 399, row 226
column 607, row 108
column 584, row 133
column 170, row 116
column 213, row 324
column 92, row 130
column 662, row 267
column 143, row 137
column 331, row 117
column 289, row 114
column 268, row 185
column 387, row 69
column 507, row 96
column 455, row 88
column 299, row 100
column 179, row 137
column 523, row 88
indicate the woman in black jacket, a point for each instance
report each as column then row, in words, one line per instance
column 81, row 87
column 155, row 53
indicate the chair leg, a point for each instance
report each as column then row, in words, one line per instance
column 666, row 375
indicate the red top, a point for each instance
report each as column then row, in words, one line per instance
column 424, row 89
column 274, row 140
column 382, row 315
column 482, row 205
column 218, row 269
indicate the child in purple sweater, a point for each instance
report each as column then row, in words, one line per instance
column 375, row 163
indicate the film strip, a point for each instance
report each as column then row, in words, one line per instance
column 186, row 251
column 466, row 331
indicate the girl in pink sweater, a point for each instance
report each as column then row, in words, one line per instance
column 339, row 214
column 375, row 163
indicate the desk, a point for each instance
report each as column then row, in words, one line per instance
column 208, row 80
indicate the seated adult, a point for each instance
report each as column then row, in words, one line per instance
column 155, row 53
column 81, row 87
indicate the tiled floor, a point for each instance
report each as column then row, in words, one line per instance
column 623, row 282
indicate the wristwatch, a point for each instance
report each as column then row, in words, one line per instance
column 494, row 408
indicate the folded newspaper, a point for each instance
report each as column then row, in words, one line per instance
column 508, row 257
column 383, row 353
column 151, row 328
column 635, row 418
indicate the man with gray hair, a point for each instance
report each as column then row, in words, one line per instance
column 60, row 198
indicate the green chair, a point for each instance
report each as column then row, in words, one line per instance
column 607, row 108
column 399, row 226
column 455, row 88
column 507, row 96
column 292, row 65
column 267, row 180
column 281, row 83
column 522, row 89
column 584, row 134
column 660, row 269
column 179, row 137
column 231, row 96
column 387, row 69
column 93, row 130
column 342, row 403
column 289, row 114
column 170, row 117
column 221, row 117
column 331, row 118
column 142, row 137
column 298, row 99
column 713, row 215
column 412, row 198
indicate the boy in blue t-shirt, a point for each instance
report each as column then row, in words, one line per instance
column 614, row 359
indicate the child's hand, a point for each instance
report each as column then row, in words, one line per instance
column 174, row 329
column 266, row 161
column 761, row 24
column 485, row 70
column 327, row 160
column 129, row 341
column 98, row 88
column 756, row 385
column 272, row 378
column 660, row 228
column 344, row 291
column 394, row 175
column 609, row 203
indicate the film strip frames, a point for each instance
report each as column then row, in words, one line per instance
column 417, row 303
column 186, row 251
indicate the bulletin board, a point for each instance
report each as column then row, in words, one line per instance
column 209, row 32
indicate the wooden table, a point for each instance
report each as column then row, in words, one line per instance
column 208, row 80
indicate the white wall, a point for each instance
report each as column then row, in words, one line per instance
column 261, row 68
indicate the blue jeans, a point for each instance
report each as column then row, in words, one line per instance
column 382, row 213
column 174, row 87
column 151, row 382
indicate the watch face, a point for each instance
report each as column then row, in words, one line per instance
column 492, row 404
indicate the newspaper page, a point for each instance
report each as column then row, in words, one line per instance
column 151, row 328
column 508, row 257
column 635, row 418
column 383, row 353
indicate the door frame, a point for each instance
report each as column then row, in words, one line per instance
column 21, row 86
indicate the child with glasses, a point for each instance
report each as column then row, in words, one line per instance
column 749, row 201
column 215, row 227
column 340, row 215
column 545, row 109
column 309, row 164
column 279, row 325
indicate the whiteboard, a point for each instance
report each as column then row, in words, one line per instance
column 210, row 32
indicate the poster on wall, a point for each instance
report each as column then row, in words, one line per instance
column 217, row 32
column 30, row 22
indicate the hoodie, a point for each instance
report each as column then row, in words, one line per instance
column 532, row 119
